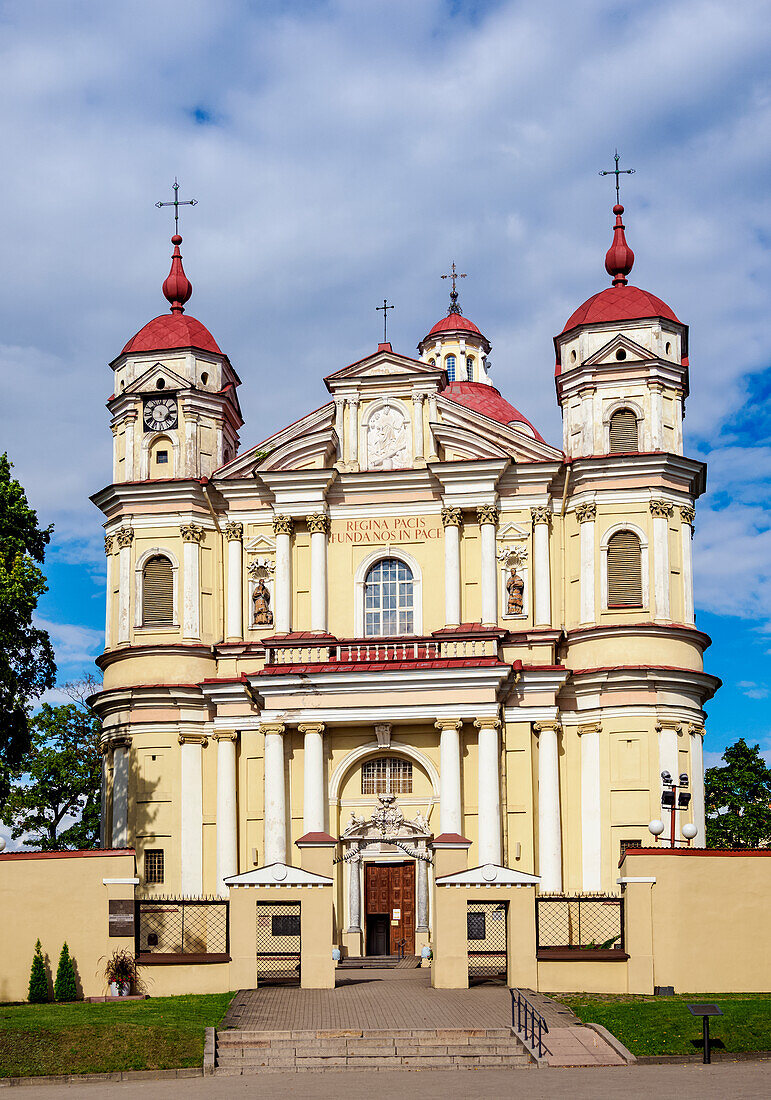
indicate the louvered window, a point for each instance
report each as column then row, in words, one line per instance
column 157, row 591
column 624, row 570
column 623, row 431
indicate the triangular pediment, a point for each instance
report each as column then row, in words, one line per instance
column 491, row 874
column 260, row 544
column 147, row 381
column 278, row 874
column 308, row 443
column 382, row 364
column 482, row 437
column 632, row 352
column 512, row 532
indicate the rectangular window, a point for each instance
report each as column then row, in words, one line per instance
column 286, row 925
column 386, row 775
column 475, row 926
column 154, row 865
column 162, row 457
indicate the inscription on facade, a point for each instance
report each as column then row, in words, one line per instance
column 388, row 529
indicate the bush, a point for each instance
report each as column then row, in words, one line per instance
column 65, row 986
column 38, row 979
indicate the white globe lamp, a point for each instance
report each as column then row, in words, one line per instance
column 656, row 827
column 2, row 843
column 689, row 831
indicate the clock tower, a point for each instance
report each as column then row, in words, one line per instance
column 175, row 412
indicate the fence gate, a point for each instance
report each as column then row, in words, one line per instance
column 486, row 934
column 278, row 943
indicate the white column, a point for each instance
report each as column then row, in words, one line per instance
column 275, row 795
column 697, row 785
column 120, row 787
column 433, row 417
column 488, row 522
column 587, row 422
column 549, row 825
column 115, row 457
column 669, row 760
column 450, row 817
column 354, row 895
column 657, row 416
column 541, row 567
column 489, row 796
column 421, row 915
column 452, row 519
column 234, row 533
column 192, row 536
column 340, row 426
column 318, row 525
column 314, row 788
column 191, row 447
column 124, row 539
column 353, row 429
column 191, row 814
column 129, row 464
column 282, row 529
column 687, row 514
column 661, row 511
column 227, row 818
column 591, row 808
column 103, row 824
column 586, row 513
column 417, row 425
column 108, row 548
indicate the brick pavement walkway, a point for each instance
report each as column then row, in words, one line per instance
column 380, row 999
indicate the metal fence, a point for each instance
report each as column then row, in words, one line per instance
column 593, row 923
column 278, row 943
column 486, row 940
column 182, row 926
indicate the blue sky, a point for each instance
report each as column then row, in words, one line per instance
column 345, row 151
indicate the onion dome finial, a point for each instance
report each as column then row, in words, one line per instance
column 177, row 288
column 619, row 258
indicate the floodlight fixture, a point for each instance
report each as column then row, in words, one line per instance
column 683, row 798
column 683, row 779
column 668, row 799
column 666, row 776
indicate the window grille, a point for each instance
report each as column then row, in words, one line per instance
column 388, row 596
column 449, row 365
column 153, row 865
column 386, row 775
column 626, row 844
column 623, row 431
column 157, row 591
column 624, row 570
column 470, row 368
column 162, row 458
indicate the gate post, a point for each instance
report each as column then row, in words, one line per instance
column 449, row 969
column 317, row 967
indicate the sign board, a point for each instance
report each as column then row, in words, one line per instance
column 120, row 917
column 704, row 1010
column 396, row 915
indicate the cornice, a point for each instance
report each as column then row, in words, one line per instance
column 324, row 679
column 590, row 681
column 173, row 493
column 651, row 465
column 170, row 649
column 680, row 631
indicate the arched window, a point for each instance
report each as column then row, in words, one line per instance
column 386, row 775
column 388, row 599
column 623, row 431
column 449, row 365
column 624, row 570
column 157, row 591
column 470, row 368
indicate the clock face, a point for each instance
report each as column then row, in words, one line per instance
column 160, row 413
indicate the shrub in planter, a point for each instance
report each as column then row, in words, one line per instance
column 38, row 979
column 65, row 986
column 122, row 973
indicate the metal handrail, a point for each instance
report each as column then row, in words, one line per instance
column 521, row 1009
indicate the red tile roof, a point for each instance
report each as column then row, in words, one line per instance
column 454, row 322
column 619, row 303
column 486, row 400
column 172, row 330
column 380, row 666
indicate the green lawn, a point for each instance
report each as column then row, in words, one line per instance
column 160, row 1033
column 663, row 1025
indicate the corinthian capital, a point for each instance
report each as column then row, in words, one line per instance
column 487, row 513
column 282, row 525
column 124, row 537
column 452, row 517
column 688, row 513
column 586, row 513
column 108, row 544
column 318, row 523
column 191, row 532
column 540, row 514
column 662, row 509
column 234, row 532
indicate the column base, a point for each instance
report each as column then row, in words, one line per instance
column 353, row 943
column 422, row 939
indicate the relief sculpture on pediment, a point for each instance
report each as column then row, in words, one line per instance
column 388, row 441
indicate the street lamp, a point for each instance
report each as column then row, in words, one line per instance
column 674, row 797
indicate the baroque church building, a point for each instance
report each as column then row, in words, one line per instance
column 406, row 606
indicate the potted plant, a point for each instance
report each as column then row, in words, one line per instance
column 121, row 973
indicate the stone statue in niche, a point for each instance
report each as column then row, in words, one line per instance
column 388, row 439
column 515, row 587
column 263, row 616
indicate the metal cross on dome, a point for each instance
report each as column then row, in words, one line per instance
column 385, row 308
column 454, row 275
column 618, row 172
column 176, row 202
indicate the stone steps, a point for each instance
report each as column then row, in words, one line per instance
column 247, row 1052
column 379, row 962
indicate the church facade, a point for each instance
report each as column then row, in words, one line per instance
column 405, row 605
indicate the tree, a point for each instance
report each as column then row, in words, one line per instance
column 65, row 986
column 738, row 799
column 27, row 665
column 38, row 979
column 55, row 799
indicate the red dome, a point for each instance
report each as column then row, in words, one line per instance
column 172, row 330
column 620, row 303
column 485, row 399
column 454, row 322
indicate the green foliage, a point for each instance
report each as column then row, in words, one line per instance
column 27, row 665
column 38, row 979
column 65, row 986
column 738, row 799
column 60, row 779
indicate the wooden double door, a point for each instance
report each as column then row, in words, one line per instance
column 389, row 908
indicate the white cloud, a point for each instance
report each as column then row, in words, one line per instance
column 74, row 645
